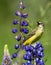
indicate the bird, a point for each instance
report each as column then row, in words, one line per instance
column 37, row 32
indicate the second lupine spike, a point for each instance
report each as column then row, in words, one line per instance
column 6, row 59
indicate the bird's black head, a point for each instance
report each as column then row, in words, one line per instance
column 40, row 23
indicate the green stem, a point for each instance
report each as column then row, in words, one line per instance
column 20, row 24
column 34, row 62
column 20, row 52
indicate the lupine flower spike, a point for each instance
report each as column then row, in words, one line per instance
column 33, row 53
column 6, row 59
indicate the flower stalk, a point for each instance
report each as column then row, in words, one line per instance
column 20, row 25
column 34, row 61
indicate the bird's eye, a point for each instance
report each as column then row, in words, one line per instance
column 40, row 23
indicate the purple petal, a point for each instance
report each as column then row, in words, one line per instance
column 17, row 13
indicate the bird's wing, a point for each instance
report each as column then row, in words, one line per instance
column 30, row 35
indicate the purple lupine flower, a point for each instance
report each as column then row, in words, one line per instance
column 21, row 5
column 24, row 23
column 33, row 52
column 25, row 30
column 24, row 15
column 17, row 13
column 16, row 46
column 14, row 55
column 18, row 38
column 6, row 59
column 14, row 30
column 15, row 22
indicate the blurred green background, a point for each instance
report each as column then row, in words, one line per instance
column 38, row 10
